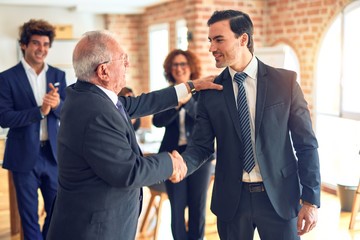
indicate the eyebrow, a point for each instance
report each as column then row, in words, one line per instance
column 216, row 37
column 37, row 41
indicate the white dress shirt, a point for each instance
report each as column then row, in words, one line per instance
column 38, row 85
column 250, row 84
column 182, row 131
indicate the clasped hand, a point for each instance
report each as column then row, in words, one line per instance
column 179, row 167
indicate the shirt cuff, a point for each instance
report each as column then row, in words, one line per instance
column 181, row 91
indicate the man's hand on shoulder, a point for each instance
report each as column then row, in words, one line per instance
column 203, row 84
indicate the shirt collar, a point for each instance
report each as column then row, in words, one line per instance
column 27, row 67
column 250, row 70
column 110, row 94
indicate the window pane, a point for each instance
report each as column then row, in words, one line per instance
column 181, row 35
column 159, row 48
column 328, row 72
column 351, row 75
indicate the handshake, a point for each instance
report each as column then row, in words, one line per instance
column 179, row 167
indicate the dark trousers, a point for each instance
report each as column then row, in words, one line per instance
column 255, row 211
column 191, row 193
column 44, row 177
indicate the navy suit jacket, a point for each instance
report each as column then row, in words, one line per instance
column 170, row 119
column 20, row 112
column 286, row 147
column 101, row 168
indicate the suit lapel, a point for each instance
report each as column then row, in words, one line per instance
column 228, row 90
column 128, row 118
column 230, row 100
column 50, row 78
column 24, row 83
column 262, row 83
column 91, row 87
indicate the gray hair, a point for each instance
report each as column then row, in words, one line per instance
column 93, row 49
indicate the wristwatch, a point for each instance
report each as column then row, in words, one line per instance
column 309, row 204
column 192, row 87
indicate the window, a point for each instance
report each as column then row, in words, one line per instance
column 337, row 99
column 350, row 105
column 328, row 82
column 158, row 50
column 338, row 66
column 181, row 35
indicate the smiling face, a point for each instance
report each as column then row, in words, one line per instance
column 226, row 48
column 36, row 51
column 180, row 69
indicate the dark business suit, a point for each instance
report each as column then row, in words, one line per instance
column 23, row 153
column 137, row 124
column 101, row 168
column 282, row 120
column 192, row 191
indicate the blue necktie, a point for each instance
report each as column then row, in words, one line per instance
column 120, row 108
column 244, row 116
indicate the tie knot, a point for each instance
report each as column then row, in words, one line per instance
column 240, row 77
column 119, row 104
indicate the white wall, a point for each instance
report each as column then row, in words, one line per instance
column 11, row 18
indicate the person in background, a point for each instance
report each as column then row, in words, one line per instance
column 101, row 168
column 126, row 91
column 31, row 97
column 180, row 67
column 267, row 174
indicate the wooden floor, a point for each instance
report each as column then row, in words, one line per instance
column 333, row 224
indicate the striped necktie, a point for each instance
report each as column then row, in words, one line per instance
column 244, row 116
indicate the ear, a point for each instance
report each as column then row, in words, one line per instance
column 102, row 72
column 23, row 46
column 244, row 38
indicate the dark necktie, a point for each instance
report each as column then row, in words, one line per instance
column 244, row 116
column 120, row 108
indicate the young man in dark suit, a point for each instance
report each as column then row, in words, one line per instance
column 101, row 168
column 31, row 97
column 267, row 167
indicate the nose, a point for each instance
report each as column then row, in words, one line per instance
column 42, row 47
column 212, row 48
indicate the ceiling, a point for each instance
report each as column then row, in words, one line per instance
column 90, row 6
